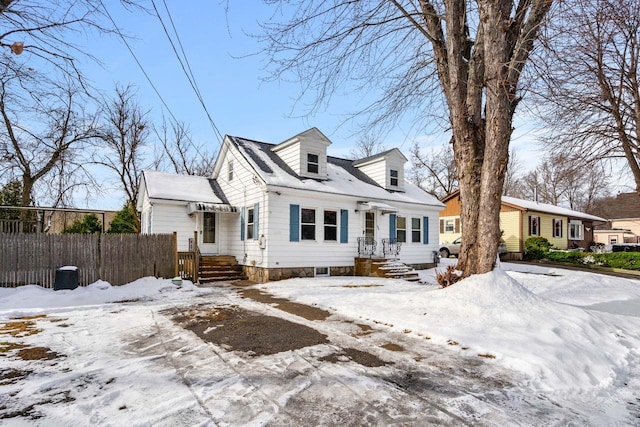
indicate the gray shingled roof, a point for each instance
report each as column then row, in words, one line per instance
column 266, row 148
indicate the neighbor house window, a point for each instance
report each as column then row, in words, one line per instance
column 415, row 230
column 312, row 163
column 534, row 226
column 230, row 170
column 331, row 225
column 575, row 231
column 308, row 224
column 449, row 226
column 250, row 221
column 394, row 178
column 401, row 229
column 613, row 240
column 557, row 228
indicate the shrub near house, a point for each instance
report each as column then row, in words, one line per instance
column 623, row 260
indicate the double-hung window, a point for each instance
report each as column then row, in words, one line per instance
column 401, row 229
column 307, row 224
column 415, row 230
column 230, row 170
column 331, row 226
column 250, row 221
column 393, row 178
column 313, row 165
column 534, row 225
column 557, row 228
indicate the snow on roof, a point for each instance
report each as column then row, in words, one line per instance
column 547, row 208
column 342, row 177
column 187, row 188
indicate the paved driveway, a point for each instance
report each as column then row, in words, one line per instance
column 238, row 356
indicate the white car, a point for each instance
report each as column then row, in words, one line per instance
column 453, row 248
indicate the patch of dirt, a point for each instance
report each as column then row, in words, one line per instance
column 30, row 411
column 361, row 357
column 11, row 376
column 37, row 353
column 392, row 347
column 246, row 331
column 304, row 311
column 19, row 328
column 486, row 355
column 6, row 347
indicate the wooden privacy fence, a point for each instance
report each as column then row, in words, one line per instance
column 32, row 259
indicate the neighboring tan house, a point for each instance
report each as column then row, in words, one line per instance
column 623, row 214
column 521, row 219
column 291, row 210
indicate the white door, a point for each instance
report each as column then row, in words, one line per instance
column 208, row 233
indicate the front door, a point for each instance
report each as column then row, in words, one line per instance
column 208, row 234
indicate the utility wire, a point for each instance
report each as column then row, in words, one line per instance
column 189, row 75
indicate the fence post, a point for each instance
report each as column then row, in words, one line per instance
column 175, row 254
column 196, row 257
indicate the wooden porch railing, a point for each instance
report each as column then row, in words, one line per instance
column 188, row 262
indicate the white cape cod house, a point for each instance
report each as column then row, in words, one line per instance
column 289, row 210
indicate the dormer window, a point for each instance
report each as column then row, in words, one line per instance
column 394, row 178
column 313, row 165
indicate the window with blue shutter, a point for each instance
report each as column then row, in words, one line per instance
column 294, row 223
column 344, row 226
column 392, row 226
column 425, row 230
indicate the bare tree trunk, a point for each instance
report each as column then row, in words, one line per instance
column 478, row 71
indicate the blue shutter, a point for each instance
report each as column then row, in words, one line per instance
column 344, row 226
column 392, row 226
column 425, row 230
column 256, row 222
column 294, row 223
column 242, row 224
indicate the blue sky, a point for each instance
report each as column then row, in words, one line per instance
column 228, row 67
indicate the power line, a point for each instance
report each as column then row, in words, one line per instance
column 188, row 74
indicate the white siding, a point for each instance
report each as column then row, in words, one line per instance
column 377, row 171
column 283, row 253
column 295, row 155
column 169, row 217
column 242, row 192
column 291, row 156
column 395, row 164
column 145, row 214
column 313, row 146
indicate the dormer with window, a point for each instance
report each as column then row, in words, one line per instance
column 305, row 153
column 387, row 169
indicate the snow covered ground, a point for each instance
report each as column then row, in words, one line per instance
column 523, row 345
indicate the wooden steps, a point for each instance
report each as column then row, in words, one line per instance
column 220, row 268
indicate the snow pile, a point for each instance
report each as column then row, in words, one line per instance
column 29, row 299
column 558, row 346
